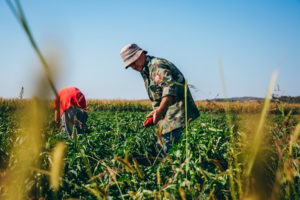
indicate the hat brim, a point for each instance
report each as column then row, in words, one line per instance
column 134, row 58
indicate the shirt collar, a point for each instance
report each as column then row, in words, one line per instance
column 145, row 70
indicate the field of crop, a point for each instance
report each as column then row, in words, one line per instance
column 113, row 160
column 232, row 151
column 237, row 150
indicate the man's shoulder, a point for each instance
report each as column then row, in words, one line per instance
column 159, row 61
column 157, row 64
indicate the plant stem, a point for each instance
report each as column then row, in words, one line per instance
column 186, row 126
column 19, row 14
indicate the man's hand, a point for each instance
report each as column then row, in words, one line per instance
column 156, row 115
column 159, row 112
column 152, row 115
column 148, row 121
column 57, row 121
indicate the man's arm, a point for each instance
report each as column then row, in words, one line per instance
column 165, row 81
column 57, row 110
column 163, row 107
column 56, row 116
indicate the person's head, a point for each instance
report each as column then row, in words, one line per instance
column 133, row 56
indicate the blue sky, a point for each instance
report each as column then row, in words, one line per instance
column 251, row 37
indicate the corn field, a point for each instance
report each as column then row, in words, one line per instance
column 113, row 160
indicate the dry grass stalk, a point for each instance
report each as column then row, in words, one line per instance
column 125, row 163
column 203, row 173
column 94, row 192
column 137, row 167
column 217, row 164
column 112, row 173
column 57, row 165
column 28, row 147
column 182, row 193
column 158, row 133
column 20, row 16
column 28, row 152
column 259, row 134
column 158, row 177
column 99, row 176
column 212, row 195
column 294, row 138
column 258, row 172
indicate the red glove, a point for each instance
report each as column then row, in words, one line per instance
column 148, row 122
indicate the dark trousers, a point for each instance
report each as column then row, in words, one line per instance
column 72, row 121
column 169, row 139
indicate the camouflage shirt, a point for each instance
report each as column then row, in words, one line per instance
column 160, row 77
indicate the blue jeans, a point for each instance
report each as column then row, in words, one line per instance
column 72, row 122
column 169, row 139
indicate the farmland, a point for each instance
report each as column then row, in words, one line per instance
column 114, row 158
column 236, row 150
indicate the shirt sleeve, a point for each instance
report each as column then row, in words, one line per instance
column 166, row 81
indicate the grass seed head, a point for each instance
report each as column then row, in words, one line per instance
column 158, row 177
column 137, row 167
column 125, row 163
column 57, row 165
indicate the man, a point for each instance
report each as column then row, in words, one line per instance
column 70, row 108
column 165, row 86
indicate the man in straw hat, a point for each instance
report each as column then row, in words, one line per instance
column 165, row 86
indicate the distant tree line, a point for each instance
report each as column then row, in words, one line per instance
column 286, row 99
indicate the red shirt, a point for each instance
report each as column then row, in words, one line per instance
column 67, row 97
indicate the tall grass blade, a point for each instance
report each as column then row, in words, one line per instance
column 186, row 127
column 259, row 134
column 26, row 150
column 232, row 142
column 19, row 14
column 294, row 138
